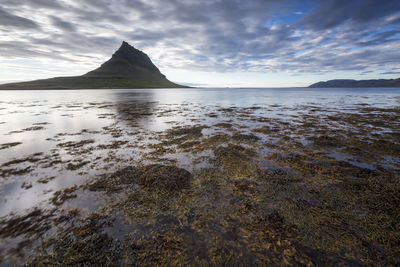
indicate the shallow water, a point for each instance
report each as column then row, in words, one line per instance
column 110, row 129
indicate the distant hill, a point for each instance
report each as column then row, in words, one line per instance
column 355, row 83
column 127, row 68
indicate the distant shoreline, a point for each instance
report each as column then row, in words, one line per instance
column 339, row 83
column 185, row 88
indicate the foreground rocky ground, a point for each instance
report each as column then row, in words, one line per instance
column 236, row 186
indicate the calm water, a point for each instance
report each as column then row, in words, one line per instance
column 60, row 115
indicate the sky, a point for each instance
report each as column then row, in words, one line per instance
column 206, row 43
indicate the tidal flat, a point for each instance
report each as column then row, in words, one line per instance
column 192, row 177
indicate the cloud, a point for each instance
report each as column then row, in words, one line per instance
column 210, row 35
column 390, row 73
column 9, row 20
column 331, row 13
column 55, row 4
column 63, row 25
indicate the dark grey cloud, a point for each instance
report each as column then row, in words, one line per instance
column 331, row 13
column 64, row 25
column 390, row 73
column 54, row 4
column 380, row 38
column 9, row 20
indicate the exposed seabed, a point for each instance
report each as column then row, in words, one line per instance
column 191, row 184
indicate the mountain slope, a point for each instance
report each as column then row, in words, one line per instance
column 127, row 68
column 355, row 83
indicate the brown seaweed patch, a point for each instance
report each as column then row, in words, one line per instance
column 189, row 145
column 218, row 138
column 77, row 144
column 5, row 172
column 212, row 115
column 60, row 196
column 164, row 177
column 15, row 171
column 83, row 245
column 245, row 137
column 45, row 180
column 186, row 131
column 70, row 250
column 349, row 218
column 183, row 137
column 41, row 123
column 245, row 185
column 209, row 179
column 35, row 223
column 236, row 161
column 326, row 141
column 116, row 181
column 114, row 145
column 76, row 166
column 274, row 179
column 266, row 130
column 385, row 147
column 225, row 125
column 33, row 128
column 52, row 162
column 26, row 185
column 227, row 110
column 27, row 230
column 32, row 158
column 255, row 241
column 8, row 145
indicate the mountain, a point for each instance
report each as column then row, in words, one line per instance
column 355, row 83
column 127, row 68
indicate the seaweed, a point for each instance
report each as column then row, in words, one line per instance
column 83, row 245
column 34, row 224
column 245, row 137
column 156, row 177
column 236, row 161
column 77, row 144
column 225, row 125
column 8, row 145
column 116, row 181
column 60, row 196
column 76, row 166
column 316, row 186
column 186, row 131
